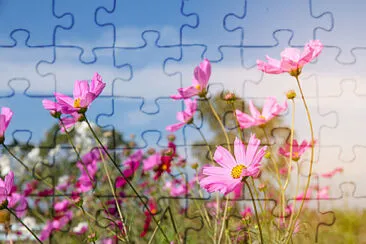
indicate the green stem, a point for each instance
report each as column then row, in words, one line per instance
column 311, row 158
column 125, row 178
column 15, row 157
column 256, row 212
column 220, row 123
column 33, row 234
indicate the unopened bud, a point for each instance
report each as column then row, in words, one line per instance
column 194, row 166
column 291, row 94
column 230, row 97
column 151, row 151
column 262, row 187
column 171, row 137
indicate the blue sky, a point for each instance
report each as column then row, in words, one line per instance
column 145, row 50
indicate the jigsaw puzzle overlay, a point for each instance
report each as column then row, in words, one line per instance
column 145, row 50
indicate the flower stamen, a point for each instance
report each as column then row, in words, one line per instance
column 237, row 171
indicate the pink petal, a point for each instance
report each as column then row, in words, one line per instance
column 184, row 93
column 244, row 120
column 9, row 181
column 224, row 158
column 239, row 151
column 175, row 127
column 97, row 85
column 252, row 147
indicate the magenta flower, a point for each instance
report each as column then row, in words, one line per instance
column 71, row 120
column 5, row 117
column 292, row 60
column 10, row 198
column 323, row 193
column 185, row 117
column 202, row 74
column 270, row 110
column 297, row 150
column 151, row 162
column 53, row 107
column 84, row 94
column 225, row 178
column 246, row 213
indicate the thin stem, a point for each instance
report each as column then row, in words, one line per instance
column 33, row 234
column 240, row 132
column 49, row 185
column 223, row 220
column 256, row 212
column 204, row 139
column 76, row 151
column 114, row 195
column 291, row 145
column 15, row 157
column 220, row 123
column 311, row 158
column 125, row 178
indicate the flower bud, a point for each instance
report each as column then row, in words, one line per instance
column 291, row 94
column 171, row 137
column 151, row 151
column 230, row 97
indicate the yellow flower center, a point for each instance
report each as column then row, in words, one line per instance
column 262, row 117
column 295, row 156
column 237, row 170
column 164, row 167
column 77, row 103
column 198, row 87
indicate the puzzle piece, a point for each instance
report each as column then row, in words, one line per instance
column 211, row 32
column 67, row 58
column 19, row 62
column 268, row 17
column 84, row 27
column 147, row 65
column 349, row 121
column 34, row 17
column 342, row 21
column 131, row 20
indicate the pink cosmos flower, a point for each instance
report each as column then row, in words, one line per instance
column 69, row 121
column 84, row 94
column 302, row 196
column 10, row 198
column 323, row 193
column 297, row 150
column 202, row 74
column 53, row 107
column 153, row 209
column 185, row 117
column 292, row 60
column 5, row 117
column 61, row 206
column 176, row 187
column 151, row 162
column 332, row 173
column 57, row 223
column 225, row 178
column 270, row 110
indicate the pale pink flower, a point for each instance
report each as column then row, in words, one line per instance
column 185, row 117
column 53, row 107
column 225, row 178
column 332, row 173
column 323, row 193
column 292, row 60
column 10, row 198
column 246, row 213
column 84, row 94
column 176, row 188
column 302, row 196
column 152, row 161
column 202, row 74
column 71, row 120
column 270, row 110
column 297, row 150
column 81, row 228
column 5, row 117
